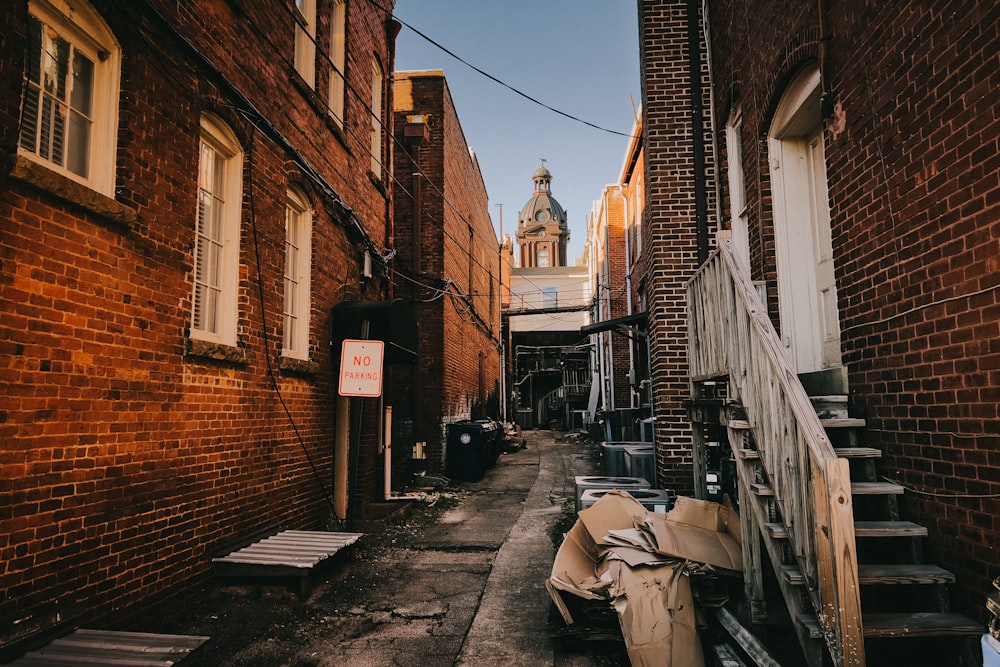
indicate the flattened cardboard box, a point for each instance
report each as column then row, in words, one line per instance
column 653, row 600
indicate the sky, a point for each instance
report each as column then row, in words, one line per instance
column 580, row 57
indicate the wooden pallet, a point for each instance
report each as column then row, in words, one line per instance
column 105, row 647
column 290, row 553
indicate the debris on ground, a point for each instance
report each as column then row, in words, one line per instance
column 642, row 565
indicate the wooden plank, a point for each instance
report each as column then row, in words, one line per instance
column 921, row 624
column 104, row 647
column 870, row 575
column 843, row 422
column 876, row 489
column 865, row 529
column 858, row 452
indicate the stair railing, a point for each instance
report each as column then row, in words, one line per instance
column 729, row 333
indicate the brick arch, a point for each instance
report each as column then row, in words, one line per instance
column 801, row 50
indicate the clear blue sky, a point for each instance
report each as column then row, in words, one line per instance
column 578, row 56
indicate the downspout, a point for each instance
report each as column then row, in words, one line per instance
column 697, row 131
column 826, row 94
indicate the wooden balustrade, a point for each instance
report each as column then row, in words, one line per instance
column 730, row 334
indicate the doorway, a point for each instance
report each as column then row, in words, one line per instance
column 807, row 290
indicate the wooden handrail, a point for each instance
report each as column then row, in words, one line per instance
column 730, row 334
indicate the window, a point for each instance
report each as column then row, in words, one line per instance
column 69, row 115
column 305, row 40
column 737, row 187
column 338, row 59
column 376, row 112
column 217, row 237
column 542, row 258
column 298, row 261
column 550, row 297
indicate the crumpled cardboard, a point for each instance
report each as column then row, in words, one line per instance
column 639, row 562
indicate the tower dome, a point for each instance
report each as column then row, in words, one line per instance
column 542, row 229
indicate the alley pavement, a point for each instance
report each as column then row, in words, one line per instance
column 458, row 586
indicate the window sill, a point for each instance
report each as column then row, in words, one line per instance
column 215, row 351
column 35, row 174
column 293, row 366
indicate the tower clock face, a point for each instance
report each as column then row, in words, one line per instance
column 541, row 234
column 542, row 216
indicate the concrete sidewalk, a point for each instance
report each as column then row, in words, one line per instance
column 461, row 587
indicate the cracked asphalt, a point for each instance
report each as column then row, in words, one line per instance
column 459, row 582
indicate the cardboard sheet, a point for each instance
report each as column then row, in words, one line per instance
column 639, row 562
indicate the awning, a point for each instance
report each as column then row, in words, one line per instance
column 637, row 319
column 391, row 322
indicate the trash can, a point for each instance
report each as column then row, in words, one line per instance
column 466, row 451
column 492, row 435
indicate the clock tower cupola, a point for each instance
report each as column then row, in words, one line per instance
column 542, row 232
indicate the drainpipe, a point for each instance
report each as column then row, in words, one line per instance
column 697, row 132
column 826, row 95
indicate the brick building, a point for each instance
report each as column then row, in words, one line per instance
column 606, row 254
column 858, row 154
column 448, row 266
column 187, row 192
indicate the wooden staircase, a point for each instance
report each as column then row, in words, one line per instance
column 904, row 604
column 824, row 549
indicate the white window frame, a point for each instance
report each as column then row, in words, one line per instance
column 378, row 81
column 305, row 40
column 338, row 60
column 215, row 276
column 737, row 187
column 543, row 259
column 86, row 33
column 298, row 267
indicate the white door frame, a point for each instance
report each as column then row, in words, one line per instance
column 807, row 292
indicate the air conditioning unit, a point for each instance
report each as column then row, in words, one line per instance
column 647, row 430
column 586, row 483
column 654, row 500
column 641, row 462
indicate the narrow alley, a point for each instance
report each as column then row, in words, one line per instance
column 457, row 583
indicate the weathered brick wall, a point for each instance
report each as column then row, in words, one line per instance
column 669, row 231
column 914, row 194
column 459, row 359
column 126, row 461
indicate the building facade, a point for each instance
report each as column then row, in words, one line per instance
column 187, row 194
column 857, row 152
column 448, row 266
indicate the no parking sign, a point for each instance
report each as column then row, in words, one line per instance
column 361, row 368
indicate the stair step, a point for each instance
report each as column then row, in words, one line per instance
column 857, row 489
column 870, row 575
column 843, row 452
column 919, row 624
column 876, row 489
column 865, row 529
column 843, row 422
column 858, row 452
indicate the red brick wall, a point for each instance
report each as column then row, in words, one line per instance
column 914, row 195
column 127, row 462
column 668, row 227
column 459, row 367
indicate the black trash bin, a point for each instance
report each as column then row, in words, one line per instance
column 466, row 454
column 492, row 434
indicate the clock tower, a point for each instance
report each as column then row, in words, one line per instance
column 542, row 232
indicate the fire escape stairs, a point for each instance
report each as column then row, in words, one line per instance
column 904, row 601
